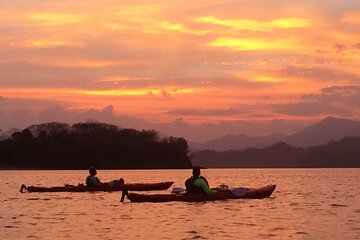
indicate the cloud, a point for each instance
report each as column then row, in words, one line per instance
column 206, row 61
column 352, row 18
column 252, row 44
column 181, row 28
column 313, row 108
column 206, row 112
column 256, row 25
column 35, row 75
column 339, row 47
column 16, row 113
column 336, row 100
column 119, row 79
column 21, row 113
column 61, row 114
column 349, row 95
column 9, row 104
column 56, row 19
column 321, row 74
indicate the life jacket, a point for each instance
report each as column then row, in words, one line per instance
column 191, row 187
column 90, row 181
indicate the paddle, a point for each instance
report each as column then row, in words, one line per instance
column 123, row 194
column 239, row 191
column 178, row 190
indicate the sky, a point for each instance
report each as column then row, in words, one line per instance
column 252, row 67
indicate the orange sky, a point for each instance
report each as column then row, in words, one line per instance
column 202, row 61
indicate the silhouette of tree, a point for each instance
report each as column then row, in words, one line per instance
column 60, row 146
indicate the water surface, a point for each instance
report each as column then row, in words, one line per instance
column 307, row 204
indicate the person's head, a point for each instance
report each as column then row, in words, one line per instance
column 92, row 171
column 121, row 181
column 196, row 171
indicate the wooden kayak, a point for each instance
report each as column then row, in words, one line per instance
column 254, row 193
column 103, row 188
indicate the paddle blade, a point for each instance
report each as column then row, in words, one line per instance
column 239, row 191
column 178, row 190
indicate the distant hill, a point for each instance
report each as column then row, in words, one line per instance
column 241, row 141
column 329, row 129
column 342, row 153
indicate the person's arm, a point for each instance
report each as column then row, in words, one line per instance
column 201, row 183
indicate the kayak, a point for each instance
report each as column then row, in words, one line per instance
column 103, row 188
column 237, row 193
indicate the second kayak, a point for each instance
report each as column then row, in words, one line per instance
column 103, row 188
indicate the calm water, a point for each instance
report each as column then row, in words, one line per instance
column 307, row 204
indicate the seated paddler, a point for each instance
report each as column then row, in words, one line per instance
column 92, row 180
column 198, row 183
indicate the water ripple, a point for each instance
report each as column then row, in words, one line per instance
column 289, row 214
column 338, row 205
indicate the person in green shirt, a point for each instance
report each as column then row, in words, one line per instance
column 198, row 184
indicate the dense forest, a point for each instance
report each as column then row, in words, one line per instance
column 343, row 153
column 82, row 145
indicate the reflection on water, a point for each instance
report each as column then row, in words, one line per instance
column 307, row 204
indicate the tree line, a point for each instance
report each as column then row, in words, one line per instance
column 82, row 145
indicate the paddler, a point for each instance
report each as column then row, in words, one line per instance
column 198, row 183
column 92, row 180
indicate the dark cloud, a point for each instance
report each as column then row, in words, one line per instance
column 10, row 104
column 349, row 95
column 343, row 90
column 15, row 114
column 310, row 109
column 339, row 47
column 335, row 100
column 207, row 112
column 61, row 114
column 15, row 118
column 21, row 113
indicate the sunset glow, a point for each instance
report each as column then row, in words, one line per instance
column 201, row 62
column 254, row 25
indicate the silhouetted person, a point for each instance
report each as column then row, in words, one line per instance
column 92, row 180
column 198, row 183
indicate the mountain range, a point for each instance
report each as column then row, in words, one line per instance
column 329, row 129
column 344, row 153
